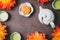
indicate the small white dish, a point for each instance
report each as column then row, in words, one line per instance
column 28, row 4
column 3, row 16
column 15, row 33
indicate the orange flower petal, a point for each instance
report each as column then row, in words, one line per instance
column 56, row 33
column 36, row 36
column 7, row 4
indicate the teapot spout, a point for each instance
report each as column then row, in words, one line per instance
column 52, row 25
column 40, row 7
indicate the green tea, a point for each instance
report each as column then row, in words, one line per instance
column 15, row 36
column 57, row 4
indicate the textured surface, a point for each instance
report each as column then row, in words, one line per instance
column 24, row 25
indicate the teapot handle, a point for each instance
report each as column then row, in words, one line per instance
column 52, row 25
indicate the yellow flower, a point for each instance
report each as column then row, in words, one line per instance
column 7, row 4
column 3, row 32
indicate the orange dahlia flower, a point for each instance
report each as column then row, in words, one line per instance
column 56, row 33
column 42, row 1
column 7, row 4
column 3, row 32
column 36, row 36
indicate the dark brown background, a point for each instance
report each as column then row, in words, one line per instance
column 18, row 23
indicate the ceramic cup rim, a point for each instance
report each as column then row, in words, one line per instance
column 13, row 33
column 53, row 5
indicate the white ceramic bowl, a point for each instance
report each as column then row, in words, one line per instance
column 28, row 5
column 3, row 16
column 54, row 6
column 15, row 33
